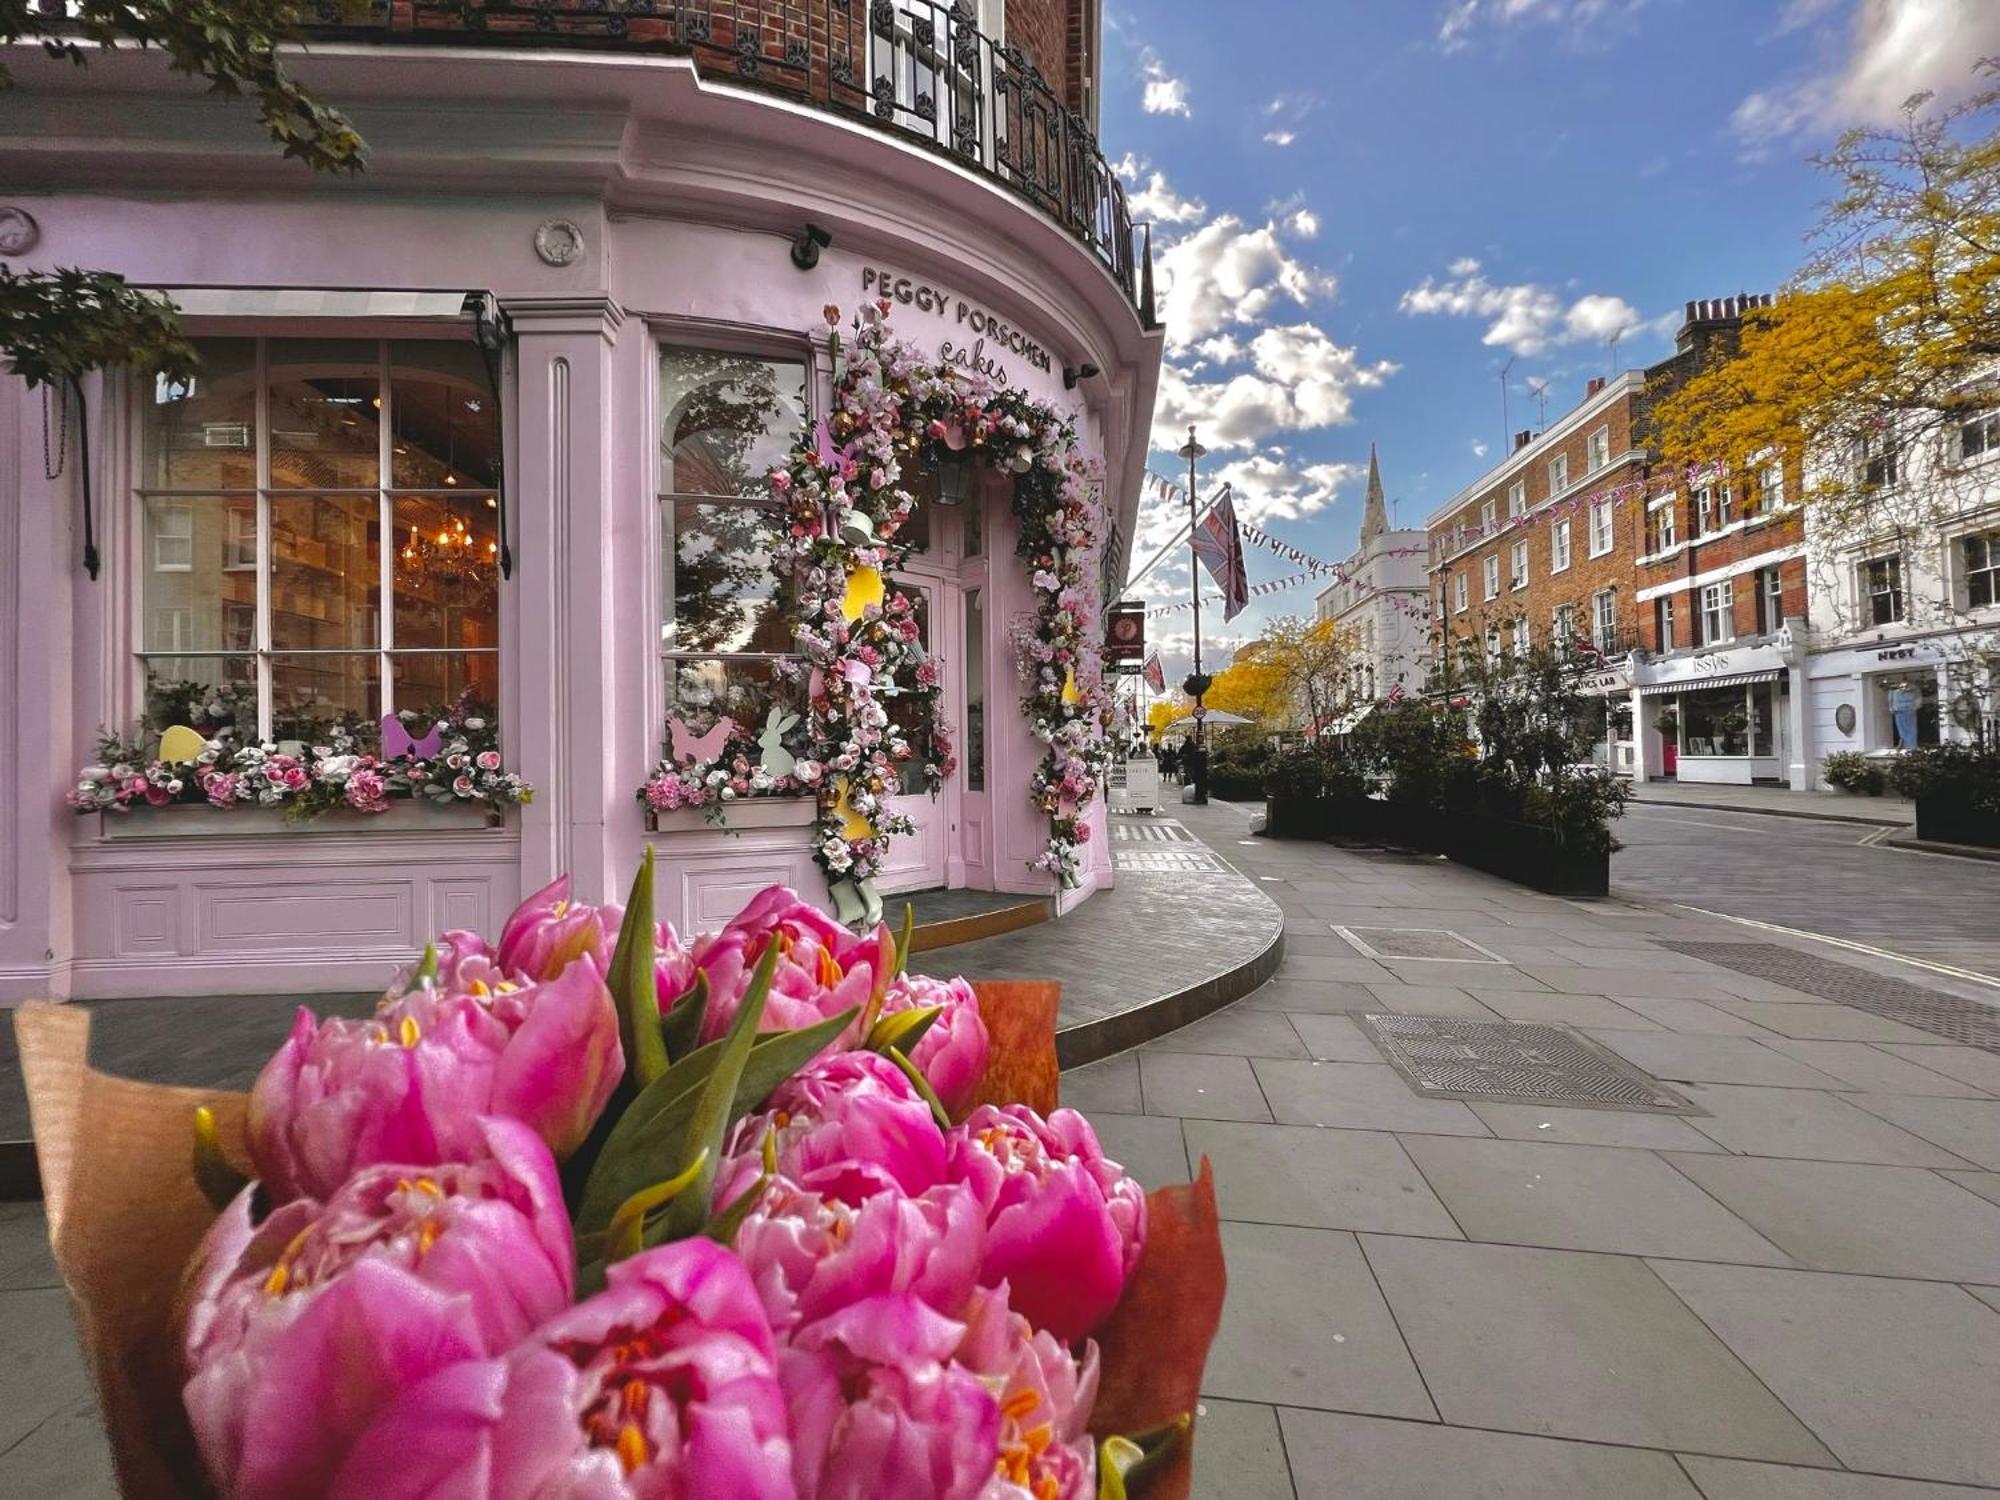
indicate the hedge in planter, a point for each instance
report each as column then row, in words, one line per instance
column 1956, row 789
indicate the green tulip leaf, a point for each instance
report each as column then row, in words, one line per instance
column 681, row 1029
column 218, row 1180
column 722, row 1227
column 627, row 1234
column 633, row 984
column 426, row 972
column 903, row 1030
column 1123, row 1463
column 713, row 1106
column 923, row 1087
column 903, row 938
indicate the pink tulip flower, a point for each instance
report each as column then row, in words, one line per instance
column 1045, row 1395
column 548, row 930
column 1065, row 1225
column 812, row 1255
column 408, row 1084
column 847, row 1126
column 301, row 1330
column 661, row 1387
column 952, row 1053
column 880, row 1412
column 823, row 969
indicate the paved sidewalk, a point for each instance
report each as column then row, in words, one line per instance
column 1436, row 1300
column 1838, row 807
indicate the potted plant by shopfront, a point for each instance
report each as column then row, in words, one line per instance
column 1956, row 789
column 1851, row 771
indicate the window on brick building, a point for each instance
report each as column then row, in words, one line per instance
column 1489, row 516
column 1663, row 620
column 1979, row 560
column 1517, row 499
column 1562, row 626
column 1491, row 566
column 1493, row 643
column 1770, row 488
column 1523, row 641
column 1711, row 508
column 1559, row 547
column 1715, row 620
column 1597, row 452
column 1600, row 527
column 1881, row 590
column 1519, row 565
column 1604, row 620
column 1558, row 473
column 1459, row 592
column 1770, row 591
column 1661, row 514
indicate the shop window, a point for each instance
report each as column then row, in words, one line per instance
column 1979, row 436
column 1882, row 590
column 1559, row 547
column 1558, row 473
column 1517, row 499
column 1769, row 588
column 1662, row 514
column 1597, row 453
column 1600, row 527
column 1763, row 718
column 726, row 639
column 1491, row 567
column 1519, row 565
column 909, row 714
column 1979, row 559
column 1663, row 620
column 1604, row 621
column 1906, row 706
column 321, row 521
column 1715, row 620
column 1877, row 463
column 1715, row 721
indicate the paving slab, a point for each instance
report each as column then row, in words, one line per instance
column 1966, row 1127
column 1697, row 1017
column 1970, row 1065
column 1592, row 1127
column 1810, row 1125
column 25, row 1261
column 65, row 1457
column 1712, row 1059
column 1238, row 1454
column 1474, row 979
column 42, row 1376
column 1895, row 1377
column 1734, row 1479
column 1577, row 979
column 1986, row 1184
column 1335, row 1039
column 1837, row 1216
column 1333, row 998
column 1561, row 1343
column 1867, row 1067
column 1305, row 1325
column 1358, row 1096
column 1236, row 1033
column 1109, row 1085
column 1567, row 1010
column 1340, row 1457
column 1196, row 1086
column 1150, row 1147
column 1838, row 1023
column 1429, row 1000
column 1325, row 1179
column 1570, row 1197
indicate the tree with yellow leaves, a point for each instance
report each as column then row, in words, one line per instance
column 1297, row 674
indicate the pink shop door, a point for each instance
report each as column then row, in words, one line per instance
column 916, row 861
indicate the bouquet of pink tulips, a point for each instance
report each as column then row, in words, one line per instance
column 587, row 1212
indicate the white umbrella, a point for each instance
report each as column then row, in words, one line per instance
column 1215, row 716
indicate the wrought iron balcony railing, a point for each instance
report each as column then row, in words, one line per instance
column 918, row 69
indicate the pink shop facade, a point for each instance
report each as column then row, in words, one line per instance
column 568, row 321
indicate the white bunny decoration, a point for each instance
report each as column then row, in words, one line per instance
column 777, row 760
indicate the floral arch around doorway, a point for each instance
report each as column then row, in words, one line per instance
column 844, row 508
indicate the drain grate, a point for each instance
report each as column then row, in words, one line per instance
column 1167, row 861
column 1432, row 944
column 1515, row 1062
column 1949, row 1016
column 1150, row 833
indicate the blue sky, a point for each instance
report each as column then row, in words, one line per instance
column 1365, row 208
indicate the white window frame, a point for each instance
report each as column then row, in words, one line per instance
column 1559, row 547
column 1461, row 593
column 1518, row 566
column 1662, row 516
column 1602, row 536
column 179, row 556
column 1987, row 424
column 1711, row 509
column 1490, row 575
column 1523, row 637
column 1517, row 499
column 1989, row 570
column 1664, row 622
column 1558, row 474
column 1604, row 619
column 1866, row 593
column 1878, row 462
column 1715, row 613
column 1597, row 450
column 1489, row 517
column 1770, row 487
column 1562, row 626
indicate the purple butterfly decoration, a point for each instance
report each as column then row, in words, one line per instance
column 830, row 457
column 396, row 741
column 692, row 749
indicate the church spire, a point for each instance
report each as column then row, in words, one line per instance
column 1374, row 514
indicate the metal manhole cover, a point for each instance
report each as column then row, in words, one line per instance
column 1151, row 833
column 1430, row 944
column 1516, row 1062
column 1949, row 1016
column 1167, row 861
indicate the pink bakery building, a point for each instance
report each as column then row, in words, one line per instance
column 483, row 438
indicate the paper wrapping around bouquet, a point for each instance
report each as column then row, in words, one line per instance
column 125, row 1217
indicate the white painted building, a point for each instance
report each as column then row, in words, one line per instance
column 1381, row 601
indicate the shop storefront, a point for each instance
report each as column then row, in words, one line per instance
column 1881, row 698
column 1608, row 693
column 1718, row 716
column 484, row 485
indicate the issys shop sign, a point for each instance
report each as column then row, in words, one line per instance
column 980, row 340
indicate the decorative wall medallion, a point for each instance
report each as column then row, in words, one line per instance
column 558, row 241
column 19, row 233
column 1843, row 718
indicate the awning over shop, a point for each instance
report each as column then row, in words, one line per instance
column 279, row 302
column 1722, row 679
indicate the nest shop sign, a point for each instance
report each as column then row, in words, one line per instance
column 978, row 340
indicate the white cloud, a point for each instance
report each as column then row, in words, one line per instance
column 1165, row 94
column 1151, row 197
column 1298, row 380
column 1525, row 318
column 1272, row 486
column 1304, row 223
column 1228, row 272
column 1578, row 21
column 1479, row 450
column 1886, row 51
column 1280, row 137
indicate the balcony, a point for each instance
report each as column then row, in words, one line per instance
column 919, row 70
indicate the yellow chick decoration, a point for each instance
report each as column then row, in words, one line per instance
column 180, row 744
column 852, row 824
column 864, row 587
column 1071, row 693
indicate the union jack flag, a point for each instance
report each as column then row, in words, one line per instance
column 1219, row 544
column 1396, row 693
column 1154, row 673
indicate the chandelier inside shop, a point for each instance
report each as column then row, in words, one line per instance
column 450, row 565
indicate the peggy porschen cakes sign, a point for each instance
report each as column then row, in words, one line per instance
column 979, row 337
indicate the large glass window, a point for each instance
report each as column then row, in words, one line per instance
column 1980, row 556
column 1715, row 721
column 1882, row 590
column 1716, row 620
column 726, row 639
column 285, row 493
column 974, row 749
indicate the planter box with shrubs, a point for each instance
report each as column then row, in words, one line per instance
column 1957, row 792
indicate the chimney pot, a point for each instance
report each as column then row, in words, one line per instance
column 1522, row 439
column 1596, row 384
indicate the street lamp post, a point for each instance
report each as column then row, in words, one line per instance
column 1193, row 452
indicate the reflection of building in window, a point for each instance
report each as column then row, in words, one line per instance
column 269, row 545
column 725, row 636
column 973, row 752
